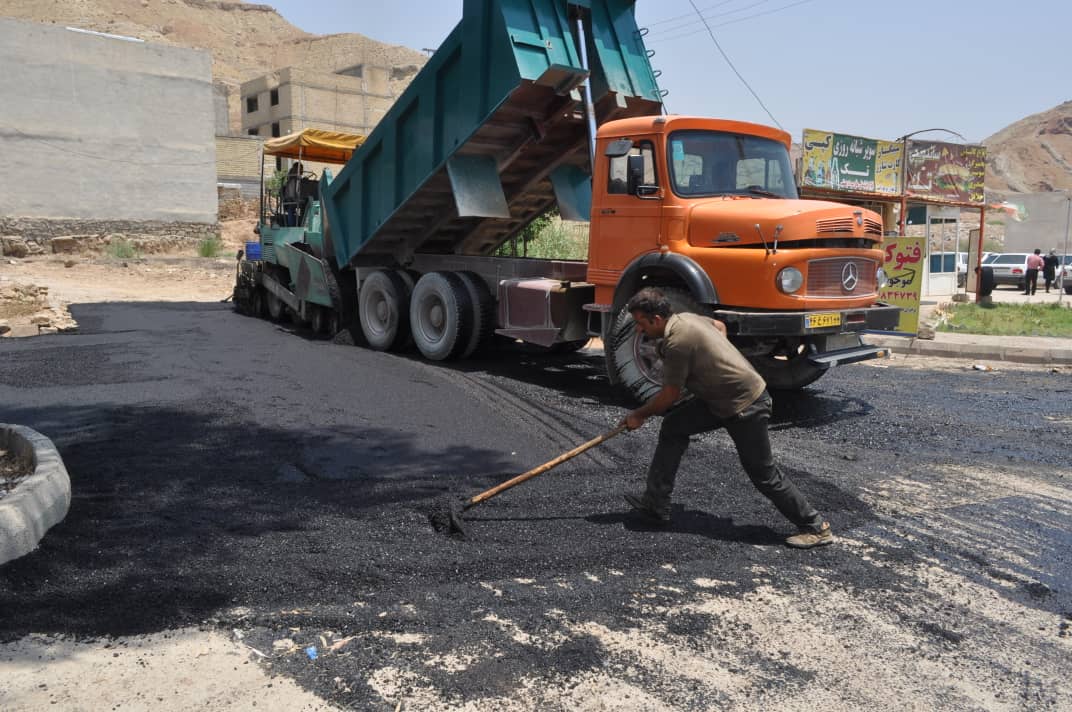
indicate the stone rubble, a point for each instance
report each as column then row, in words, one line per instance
column 19, row 299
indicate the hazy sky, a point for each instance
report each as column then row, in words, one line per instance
column 865, row 67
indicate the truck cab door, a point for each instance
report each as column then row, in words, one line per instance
column 625, row 223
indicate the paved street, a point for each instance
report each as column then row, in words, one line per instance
column 229, row 474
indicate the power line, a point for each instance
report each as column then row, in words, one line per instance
column 689, row 14
column 772, row 11
column 729, row 62
column 691, row 21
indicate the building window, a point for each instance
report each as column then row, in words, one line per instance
column 275, row 130
column 278, row 163
column 274, row 96
column 253, row 132
column 251, row 104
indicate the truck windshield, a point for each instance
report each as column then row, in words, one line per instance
column 710, row 163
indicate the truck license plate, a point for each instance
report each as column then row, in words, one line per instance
column 818, row 321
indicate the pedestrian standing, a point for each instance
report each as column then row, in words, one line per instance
column 727, row 393
column 1049, row 269
column 1034, row 264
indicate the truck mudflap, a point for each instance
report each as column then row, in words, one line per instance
column 881, row 317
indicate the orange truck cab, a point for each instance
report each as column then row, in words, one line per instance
column 708, row 210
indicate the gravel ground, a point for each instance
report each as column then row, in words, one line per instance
column 275, row 491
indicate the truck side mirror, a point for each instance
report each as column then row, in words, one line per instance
column 619, row 147
column 635, row 175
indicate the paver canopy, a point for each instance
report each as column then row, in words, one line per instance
column 315, row 145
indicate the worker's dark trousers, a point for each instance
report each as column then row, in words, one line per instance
column 749, row 433
column 1031, row 281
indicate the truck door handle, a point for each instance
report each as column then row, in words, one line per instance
column 607, row 211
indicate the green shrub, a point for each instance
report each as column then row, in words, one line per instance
column 548, row 237
column 557, row 242
column 210, row 247
column 122, row 250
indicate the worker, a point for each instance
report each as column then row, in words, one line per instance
column 1049, row 269
column 727, row 393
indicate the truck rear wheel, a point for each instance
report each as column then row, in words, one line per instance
column 383, row 310
column 483, row 311
column 632, row 362
column 441, row 316
column 409, row 281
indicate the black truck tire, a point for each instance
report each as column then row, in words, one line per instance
column 258, row 306
column 789, row 370
column 409, row 280
column 441, row 316
column 632, row 363
column 383, row 310
column 320, row 318
column 483, row 312
column 986, row 281
column 277, row 310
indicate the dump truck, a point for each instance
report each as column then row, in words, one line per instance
column 530, row 105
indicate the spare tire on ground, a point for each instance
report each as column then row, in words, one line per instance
column 986, row 281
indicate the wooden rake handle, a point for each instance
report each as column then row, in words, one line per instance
column 550, row 464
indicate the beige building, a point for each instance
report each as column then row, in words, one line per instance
column 238, row 163
column 352, row 100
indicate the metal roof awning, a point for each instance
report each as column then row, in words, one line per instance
column 315, row 145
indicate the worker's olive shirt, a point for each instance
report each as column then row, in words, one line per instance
column 697, row 357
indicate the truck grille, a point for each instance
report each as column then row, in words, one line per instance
column 841, row 277
column 871, row 227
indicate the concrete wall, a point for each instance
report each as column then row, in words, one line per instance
column 97, row 128
column 221, row 108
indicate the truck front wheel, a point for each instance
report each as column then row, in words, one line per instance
column 786, row 367
column 632, row 362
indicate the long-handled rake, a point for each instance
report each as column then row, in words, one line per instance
column 449, row 519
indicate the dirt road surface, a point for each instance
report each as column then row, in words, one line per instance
column 250, row 525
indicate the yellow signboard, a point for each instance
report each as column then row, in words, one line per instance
column 851, row 164
column 904, row 267
column 888, row 167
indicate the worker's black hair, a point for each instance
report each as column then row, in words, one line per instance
column 650, row 302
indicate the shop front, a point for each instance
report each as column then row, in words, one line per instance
column 944, row 179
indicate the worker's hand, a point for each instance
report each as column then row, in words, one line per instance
column 634, row 421
column 719, row 326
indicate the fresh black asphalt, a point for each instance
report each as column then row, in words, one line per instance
column 231, row 472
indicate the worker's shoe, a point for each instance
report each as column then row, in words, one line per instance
column 659, row 516
column 805, row 539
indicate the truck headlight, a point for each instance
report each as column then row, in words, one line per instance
column 881, row 279
column 790, row 280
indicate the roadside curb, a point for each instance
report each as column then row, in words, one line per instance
column 39, row 502
column 945, row 349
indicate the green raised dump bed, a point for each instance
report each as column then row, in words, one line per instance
column 490, row 132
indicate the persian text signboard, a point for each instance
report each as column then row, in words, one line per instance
column 946, row 171
column 904, row 267
column 851, row 164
